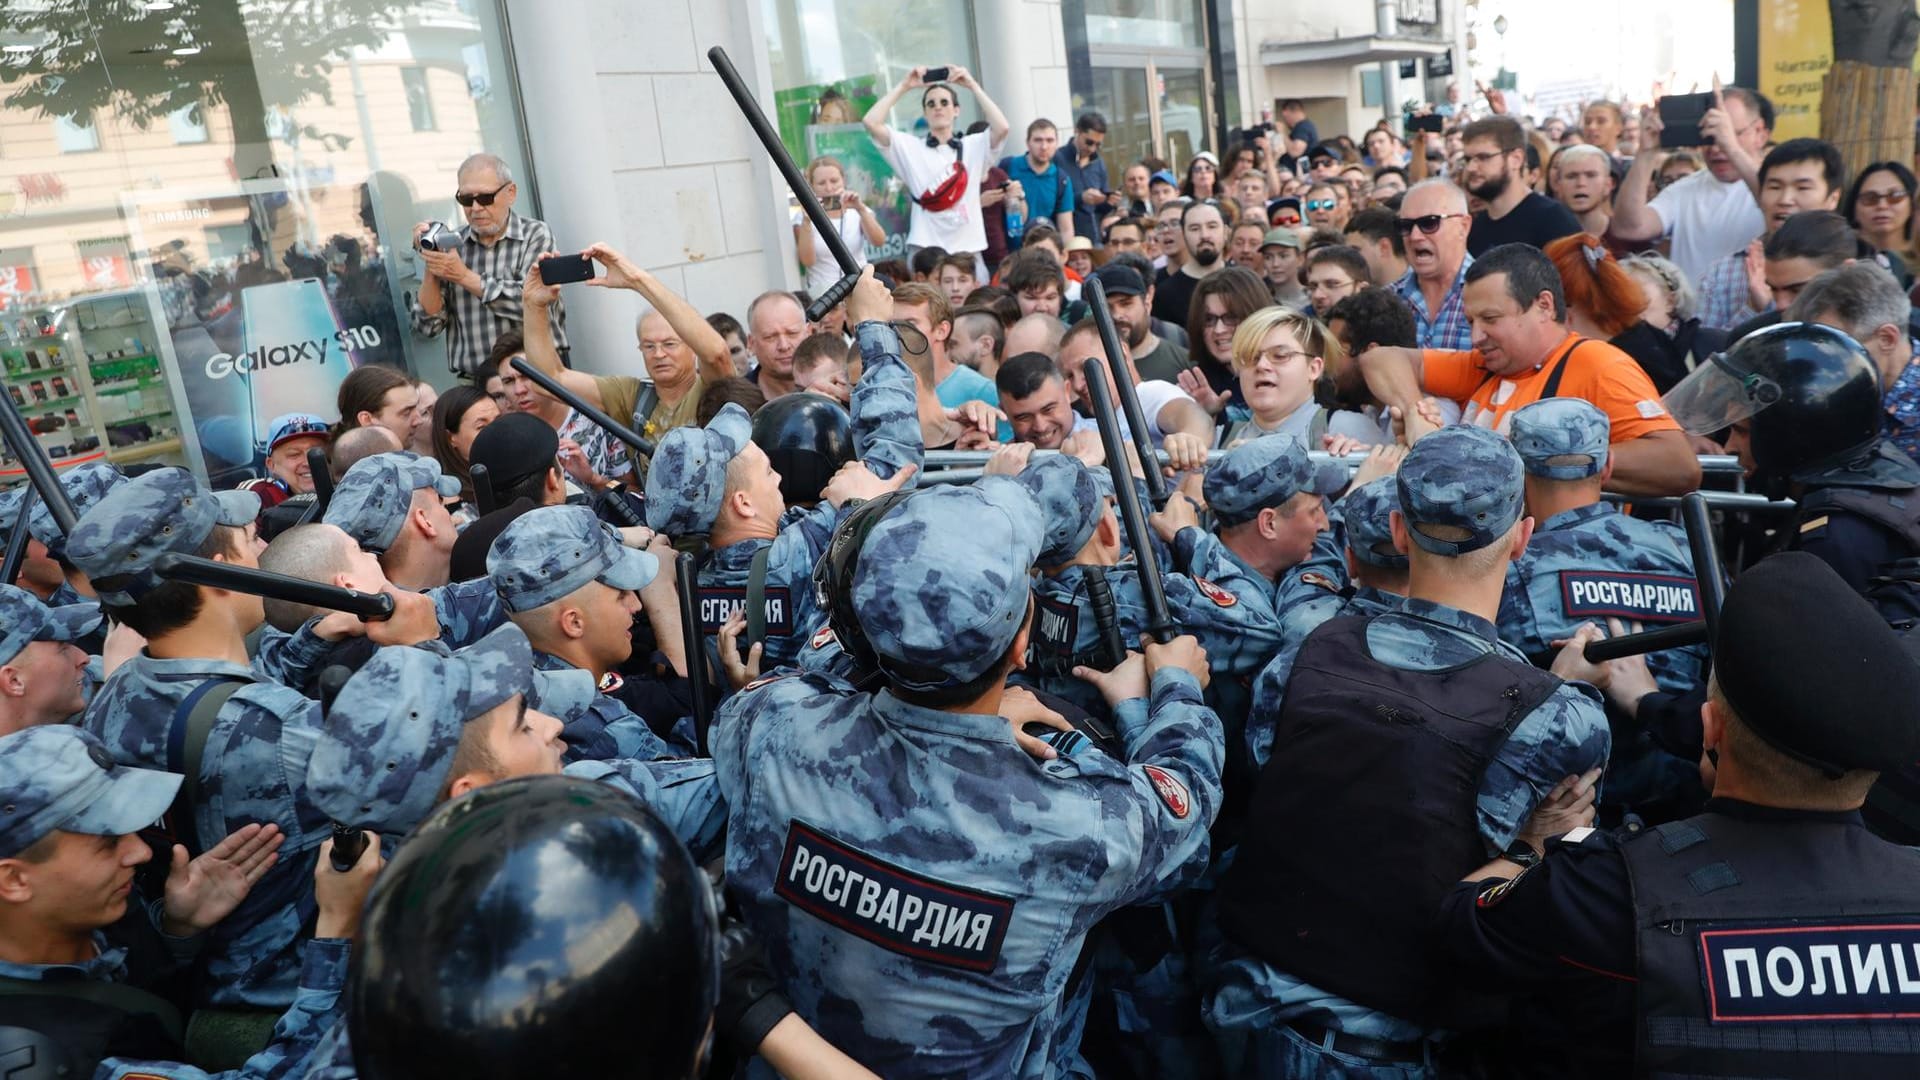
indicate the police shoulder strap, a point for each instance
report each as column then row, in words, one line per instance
column 121, row 997
column 757, row 598
column 187, row 747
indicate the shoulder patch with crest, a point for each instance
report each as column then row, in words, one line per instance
column 1498, row 891
column 822, row 637
column 611, row 682
column 763, row 680
column 1319, row 580
column 1171, row 790
column 1215, row 593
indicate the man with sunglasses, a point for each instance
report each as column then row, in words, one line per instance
column 1433, row 227
column 472, row 293
column 942, row 170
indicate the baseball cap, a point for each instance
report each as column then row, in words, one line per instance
column 293, row 426
column 1368, row 511
column 1164, row 176
column 1463, row 478
column 59, row 778
column 116, row 542
column 1070, row 500
column 1120, row 280
column 386, row 746
column 1265, row 472
column 514, row 447
column 24, row 620
column 370, row 503
column 688, row 477
column 943, row 586
column 1324, row 150
column 1281, row 237
column 553, row 551
column 1561, row 438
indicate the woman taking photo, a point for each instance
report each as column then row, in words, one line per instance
column 851, row 217
column 461, row 414
column 1279, row 356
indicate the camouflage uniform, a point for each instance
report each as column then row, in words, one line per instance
column 25, row 620
column 1592, row 562
column 1470, row 479
column 921, row 885
column 56, row 777
column 687, row 482
column 548, row 554
column 256, row 753
column 370, row 503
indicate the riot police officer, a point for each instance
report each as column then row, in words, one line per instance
column 1772, row 935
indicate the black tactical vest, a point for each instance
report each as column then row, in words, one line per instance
column 83, row 1022
column 1775, row 949
column 1897, row 511
column 1364, row 817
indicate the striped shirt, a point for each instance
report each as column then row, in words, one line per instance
column 1448, row 329
column 473, row 322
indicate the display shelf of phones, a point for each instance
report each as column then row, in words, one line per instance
column 135, row 407
column 51, row 400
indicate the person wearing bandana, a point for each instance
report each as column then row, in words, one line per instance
column 941, row 169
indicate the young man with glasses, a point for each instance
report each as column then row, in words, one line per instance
column 1515, row 214
column 1433, row 226
column 472, row 293
column 942, row 170
column 1710, row 212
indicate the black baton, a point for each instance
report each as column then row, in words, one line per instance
column 322, row 485
column 483, row 498
column 348, row 843
column 20, row 440
column 1153, row 589
column 1123, row 376
column 17, row 539
column 220, row 575
column 797, row 183
column 696, row 645
column 613, row 427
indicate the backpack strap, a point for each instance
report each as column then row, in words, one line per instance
column 1552, row 389
column 187, row 746
column 121, row 997
column 757, row 598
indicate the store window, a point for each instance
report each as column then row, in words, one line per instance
column 832, row 59
column 241, row 236
column 1150, row 23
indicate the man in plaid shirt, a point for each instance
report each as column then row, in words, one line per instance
column 1434, row 222
column 473, row 291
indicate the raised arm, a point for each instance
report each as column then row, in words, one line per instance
column 1634, row 218
column 876, row 119
column 537, row 335
column 997, row 126
column 707, row 344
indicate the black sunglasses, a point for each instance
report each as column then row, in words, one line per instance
column 1426, row 223
column 484, row 198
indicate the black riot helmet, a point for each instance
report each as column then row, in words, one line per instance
column 807, row 437
column 542, row 926
column 1810, row 393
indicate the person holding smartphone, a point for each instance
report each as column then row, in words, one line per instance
column 941, row 170
column 850, row 215
column 1716, row 210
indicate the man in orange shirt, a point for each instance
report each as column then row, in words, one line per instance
column 1522, row 352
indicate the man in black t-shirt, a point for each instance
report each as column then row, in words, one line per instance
column 1496, row 150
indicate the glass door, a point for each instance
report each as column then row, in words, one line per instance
column 1120, row 95
column 1182, row 112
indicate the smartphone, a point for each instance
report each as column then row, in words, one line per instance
column 1680, row 116
column 935, row 74
column 562, row 269
column 831, row 202
column 1432, row 122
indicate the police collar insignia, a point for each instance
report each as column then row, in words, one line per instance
column 1170, row 789
column 1215, row 593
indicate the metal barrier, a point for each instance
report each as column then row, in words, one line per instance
column 1710, row 464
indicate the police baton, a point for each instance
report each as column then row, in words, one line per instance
column 1707, row 571
column 348, row 843
column 797, row 183
column 1123, row 381
column 194, row 570
column 613, row 427
column 17, row 539
column 20, row 440
column 1153, row 589
column 696, row 642
column 322, row 485
column 483, row 498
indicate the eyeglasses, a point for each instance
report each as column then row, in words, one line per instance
column 1426, row 223
column 1482, row 159
column 1882, row 198
column 1322, row 204
column 1228, row 321
column 484, row 198
column 1278, row 356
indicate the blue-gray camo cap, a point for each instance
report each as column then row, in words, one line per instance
column 56, row 777
column 85, row 485
column 552, row 551
column 24, row 620
column 1071, row 501
column 1265, row 472
column 1464, row 480
column 370, row 503
column 116, row 542
column 688, row 476
column 1561, row 438
column 1368, row 512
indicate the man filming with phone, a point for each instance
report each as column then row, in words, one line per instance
column 1711, row 212
column 942, row 170
column 471, row 276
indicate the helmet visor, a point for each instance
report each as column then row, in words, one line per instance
column 1716, row 396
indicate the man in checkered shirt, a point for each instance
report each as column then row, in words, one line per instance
column 1434, row 222
column 473, row 291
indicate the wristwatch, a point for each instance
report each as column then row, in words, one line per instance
column 1521, row 854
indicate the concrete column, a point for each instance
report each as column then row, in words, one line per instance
column 1023, row 62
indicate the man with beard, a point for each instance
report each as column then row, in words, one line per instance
column 1433, row 223
column 1205, row 233
column 1496, row 150
column 1153, row 356
column 1583, row 181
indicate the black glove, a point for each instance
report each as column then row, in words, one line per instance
column 750, row 999
column 620, row 507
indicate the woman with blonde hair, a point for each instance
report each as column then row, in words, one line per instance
column 1279, row 356
column 852, row 218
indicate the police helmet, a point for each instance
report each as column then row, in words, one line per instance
column 807, row 437
column 1810, row 393
column 542, row 926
